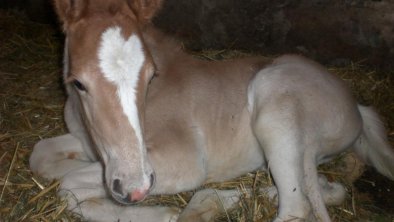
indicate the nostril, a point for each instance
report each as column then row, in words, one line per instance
column 117, row 187
column 152, row 179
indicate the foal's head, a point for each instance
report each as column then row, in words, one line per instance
column 107, row 64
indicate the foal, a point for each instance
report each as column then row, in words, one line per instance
column 146, row 118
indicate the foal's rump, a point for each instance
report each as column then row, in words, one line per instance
column 335, row 108
column 305, row 92
column 303, row 115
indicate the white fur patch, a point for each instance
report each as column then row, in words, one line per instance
column 121, row 61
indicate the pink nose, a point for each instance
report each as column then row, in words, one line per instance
column 138, row 195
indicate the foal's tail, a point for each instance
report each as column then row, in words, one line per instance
column 372, row 145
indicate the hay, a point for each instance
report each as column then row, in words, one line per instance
column 31, row 106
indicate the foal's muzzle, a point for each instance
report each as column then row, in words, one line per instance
column 134, row 196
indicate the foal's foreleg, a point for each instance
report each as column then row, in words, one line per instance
column 104, row 210
column 86, row 195
column 55, row 157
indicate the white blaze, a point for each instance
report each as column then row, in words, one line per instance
column 121, row 61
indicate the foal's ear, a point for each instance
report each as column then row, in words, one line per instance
column 70, row 10
column 145, row 10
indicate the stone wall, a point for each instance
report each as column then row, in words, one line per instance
column 332, row 31
column 37, row 10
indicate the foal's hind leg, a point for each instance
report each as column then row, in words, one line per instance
column 288, row 176
column 207, row 203
column 279, row 136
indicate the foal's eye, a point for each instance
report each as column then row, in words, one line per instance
column 151, row 78
column 79, row 85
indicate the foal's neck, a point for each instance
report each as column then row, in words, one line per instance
column 164, row 49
